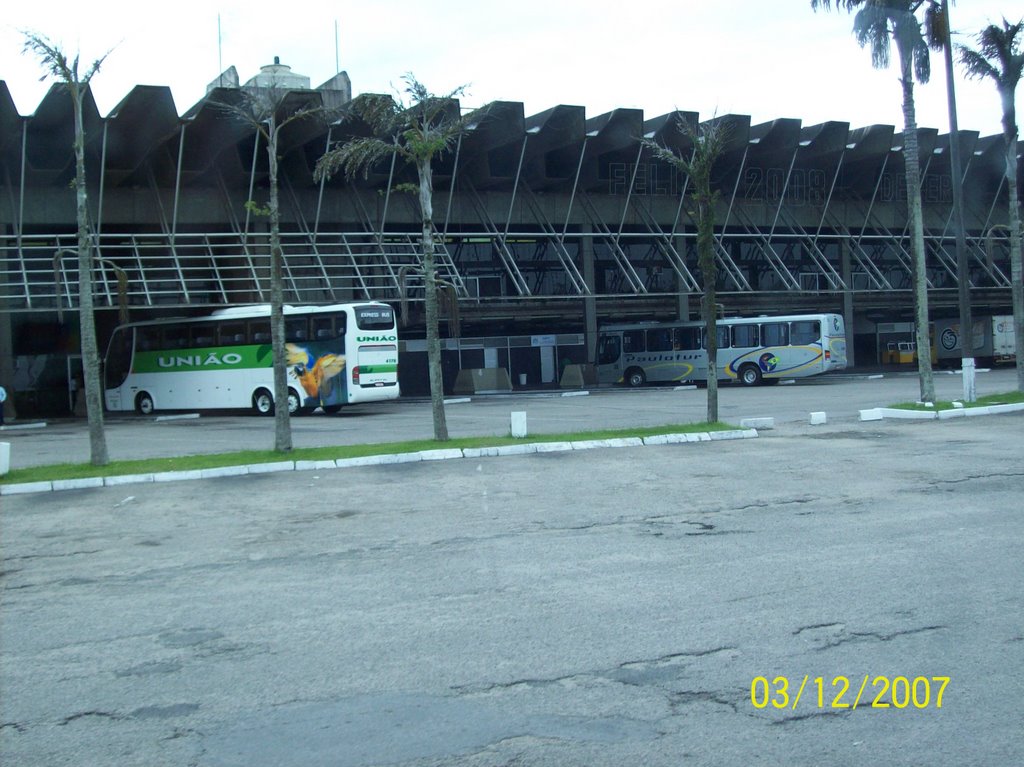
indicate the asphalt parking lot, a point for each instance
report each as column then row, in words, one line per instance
column 131, row 436
column 802, row 598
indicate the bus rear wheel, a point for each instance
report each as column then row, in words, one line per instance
column 263, row 402
column 295, row 406
column 635, row 377
column 750, row 375
column 144, row 404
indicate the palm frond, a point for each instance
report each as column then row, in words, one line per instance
column 998, row 54
column 353, row 157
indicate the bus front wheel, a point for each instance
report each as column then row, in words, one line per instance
column 144, row 404
column 750, row 375
column 263, row 402
column 635, row 377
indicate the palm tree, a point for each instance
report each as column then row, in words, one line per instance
column 416, row 133
column 263, row 108
column 999, row 57
column 875, row 24
column 56, row 64
column 708, row 144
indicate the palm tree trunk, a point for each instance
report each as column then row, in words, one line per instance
column 87, row 322
column 709, row 276
column 913, row 173
column 282, row 422
column 1016, row 277
column 430, row 299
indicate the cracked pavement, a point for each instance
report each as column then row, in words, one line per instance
column 605, row 607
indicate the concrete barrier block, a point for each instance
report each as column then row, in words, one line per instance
column 270, row 468
column 395, row 458
column 577, row 376
column 749, row 433
column 482, row 380
column 362, row 460
column 440, row 455
column 553, row 447
column 515, row 449
column 517, row 424
column 5, row 458
column 127, row 479
column 758, row 423
column 908, row 415
column 1013, row 407
column 818, row 418
column 720, row 435
column 19, row 488
column 224, row 471
column 872, row 414
column 77, row 484
column 313, row 465
column 586, row 444
column 665, row 439
column 625, row 442
column 175, row 476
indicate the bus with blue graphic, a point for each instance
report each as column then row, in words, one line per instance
column 336, row 355
column 751, row 351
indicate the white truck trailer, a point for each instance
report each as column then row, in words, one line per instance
column 993, row 340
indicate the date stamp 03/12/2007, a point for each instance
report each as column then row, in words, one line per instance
column 899, row 692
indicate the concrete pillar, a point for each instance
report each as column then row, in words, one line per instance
column 847, row 271
column 589, row 303
column 7, row 362
column 682, row 294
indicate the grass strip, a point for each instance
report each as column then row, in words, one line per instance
column 243, row 457
column 1007, row 398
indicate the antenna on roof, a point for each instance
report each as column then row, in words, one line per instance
column 337, row 63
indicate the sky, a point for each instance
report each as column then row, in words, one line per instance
column 764, row 58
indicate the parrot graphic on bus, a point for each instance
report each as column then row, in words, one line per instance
column 314, row 374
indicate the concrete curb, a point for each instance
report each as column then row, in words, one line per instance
column 441, row 454
column 878, row 413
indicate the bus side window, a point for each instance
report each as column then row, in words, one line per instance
column 659, row 340
column 633, row 341
column 723, row 336
column 608, row 350
column 175, row 337
column 202, row 335
column 295, row 330
column 148, row 338
column 687, row 339
column 775, row 334
column 323, row 328
column 805, row 332
column 259, row 331
column 744, row 336
column 231, row 333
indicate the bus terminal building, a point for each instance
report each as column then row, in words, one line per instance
column 549, row 226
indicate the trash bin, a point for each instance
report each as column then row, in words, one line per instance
column 522, row 379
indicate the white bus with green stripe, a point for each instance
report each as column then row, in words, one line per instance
column 337, row 355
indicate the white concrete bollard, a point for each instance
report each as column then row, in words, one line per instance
column 518, row 423
column 5, row 458
column 818, row 418
column 970, row 389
